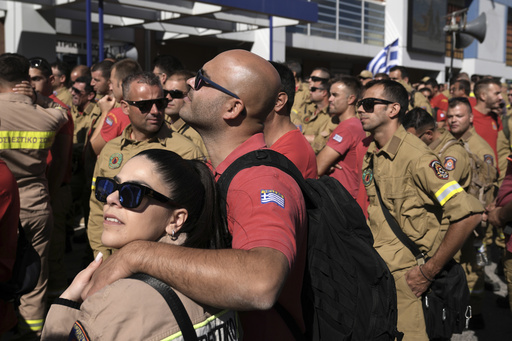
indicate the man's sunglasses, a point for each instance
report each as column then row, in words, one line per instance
column 130, row 194
column 369, row 103
column 80, row 92
column 201, row 81
column 175, row 94
column 314, row 88
column 146, row 105
column 318, row 79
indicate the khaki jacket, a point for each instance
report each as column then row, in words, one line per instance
column 186, row 130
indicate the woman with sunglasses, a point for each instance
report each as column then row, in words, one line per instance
column 157, row 196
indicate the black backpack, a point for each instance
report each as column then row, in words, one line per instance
column 348, row 291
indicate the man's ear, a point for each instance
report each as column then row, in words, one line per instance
column 235, row 108
column 395, row 110
column 176, row 220
column 91, row 95
column 352, row 99
column 282, row 99
column 125, row 108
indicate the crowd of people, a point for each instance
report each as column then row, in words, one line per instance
column 135, row 155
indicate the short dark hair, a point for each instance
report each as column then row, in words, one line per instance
column 63, row 68
column 464, row 85
column 146, row 77
column 287, row 83
column 432, row 82
column 193, row 188
column 402, row 69
column 381, row 75
column 186, row 74
column 104, row 66
column 13, row 68
column 394, row 91
column 167, row 63
column 87, row 80
column 125, row 68
column 42, row 65
column 295, row 67
column 353, row 84
column 418, row 118
column 454, row 101
column 483, row 84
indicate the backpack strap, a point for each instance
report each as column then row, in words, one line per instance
column 396, row 228
column 174, row 302
column 447, row 145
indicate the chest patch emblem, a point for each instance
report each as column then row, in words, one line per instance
column 268, row 196
column 489, row 159
column 494, row 125
column 449, row 163
column 115, row 161
column 367, row 177
column 439, row 170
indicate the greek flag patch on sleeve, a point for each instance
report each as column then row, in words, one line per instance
column 269, row 195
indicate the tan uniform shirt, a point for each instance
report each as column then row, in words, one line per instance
column 504, row 146
column 302, row 96
column 418, row 192
column 130, row 309
column 321, row 139
column 84, row 123
column 184, row 129
column 65, row 96
column 312, row 120
column 453, row 157
column 114, row 155
column 26, row 134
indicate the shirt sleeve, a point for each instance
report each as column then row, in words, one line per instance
column 266, row 209
column 341, row 139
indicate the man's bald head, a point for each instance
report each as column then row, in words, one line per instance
column 251, row 77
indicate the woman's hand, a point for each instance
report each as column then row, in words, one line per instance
column 74, row 291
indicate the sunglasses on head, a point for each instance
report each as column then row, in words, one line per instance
column 369, row 103
column 314, row 88
column 318, row 79
column 201, row 81
column 130, row 194
column 175, row 94
column 146, row 105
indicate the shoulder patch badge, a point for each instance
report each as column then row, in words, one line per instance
column 270, row 196
column 115, row 161
column 449, row 163
column 494, row 126
column 439, row 170
column 489, row 159
column 367, row 177
column 109, row 121
column 337, row 138
column 78, row 333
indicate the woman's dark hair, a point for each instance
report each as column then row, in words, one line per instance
column 193, row 187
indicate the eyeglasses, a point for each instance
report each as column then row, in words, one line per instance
column 175, row 94
column 201, row 81
column 146, row 105
column 80, row 92
column 130, row 194
column 369, row 103
column 318, row 79
column 314, row 88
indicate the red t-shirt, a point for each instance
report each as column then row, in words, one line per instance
column 488, row 126
column 472, row 102
column 344, row 140
column 9, row 217
column 297, row 149
column 66, row 129
column 266, row 208
column 362, row 196
column 440, row 103
column 114, row 124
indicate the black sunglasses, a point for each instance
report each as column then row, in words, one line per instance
column 175, row 94
column 369, row 103
column 146, row 105
column 73, row 89
column 130, row 194
column 314, row 88
column 318, row 79
column 201, row 81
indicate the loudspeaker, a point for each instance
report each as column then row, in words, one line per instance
column 463, row 40
column 476, row 28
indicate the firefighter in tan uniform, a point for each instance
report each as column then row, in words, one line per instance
column 26, row 134
column 419, row 193
column 175, row 90
column 483, row 187
column 146, row 131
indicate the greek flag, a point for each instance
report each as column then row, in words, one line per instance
column 385, row 60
